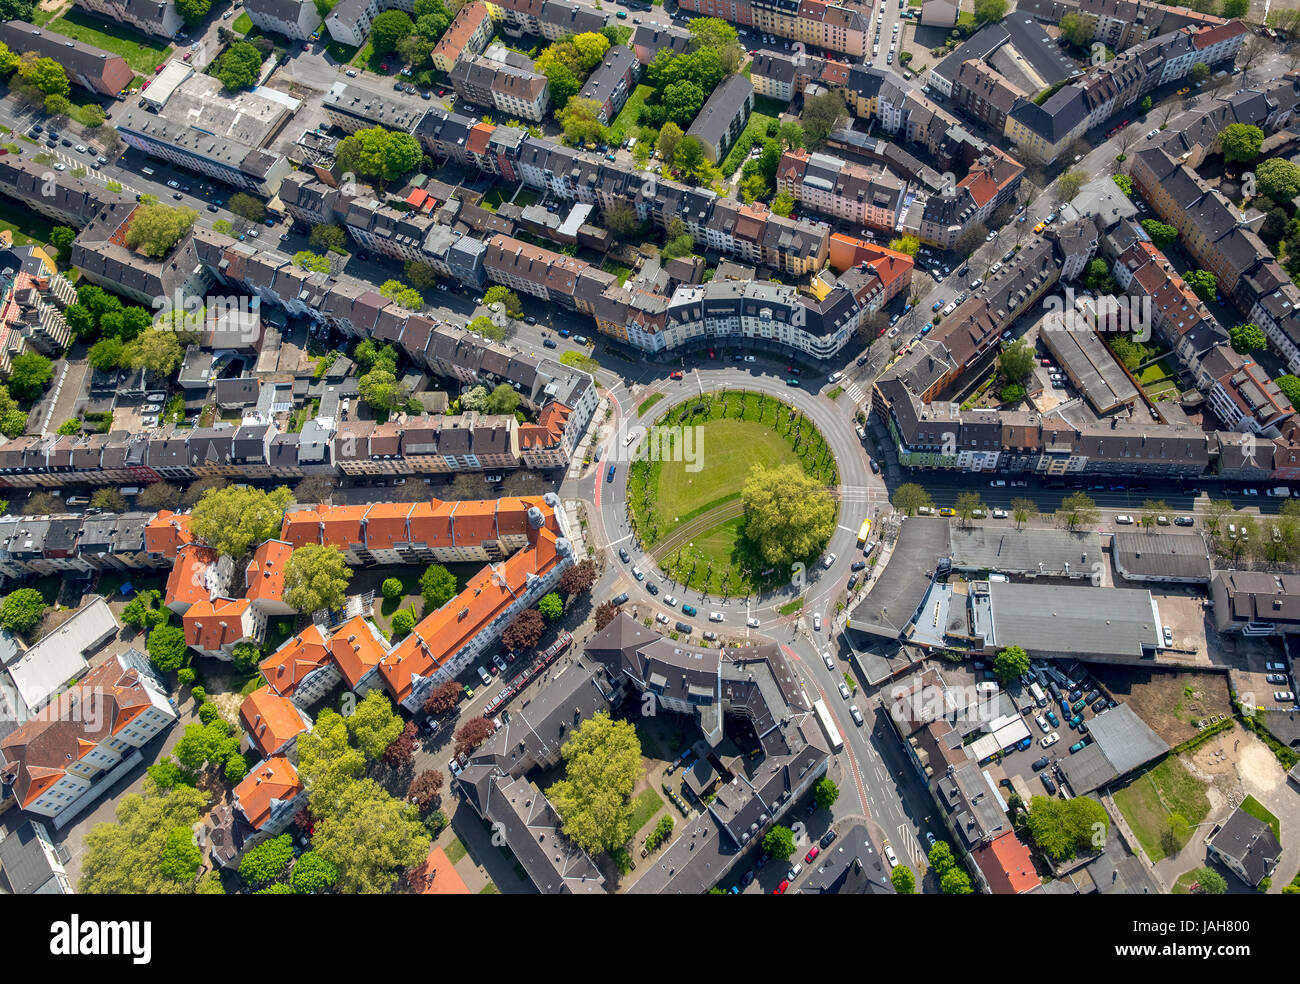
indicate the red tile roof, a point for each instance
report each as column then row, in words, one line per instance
column 188, row 581
column 273, row 780
column 167, row 532
column 270, row 720
column 285, row 668
column 1008, row 865
column 212, row 624
column 356, row 650
column 264, row 575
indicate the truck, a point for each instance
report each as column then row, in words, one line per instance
column 1036, row 692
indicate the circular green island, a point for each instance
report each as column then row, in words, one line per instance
column 686, row 491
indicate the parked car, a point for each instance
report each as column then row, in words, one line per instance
column 1050, row 740
column 1048, row 784
column 1169, row 636
column 856, row 714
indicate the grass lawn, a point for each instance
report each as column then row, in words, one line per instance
column 767, row 106
column 644, row 807
column 493, row 199
column 28, row 228
column 243, row 24
column 341, row 53
column 141, row 53
column 728, row 449
column 526, row 197
column 1257, row 810
column 618, row 270
column 1148, row 801
column 646, row 405
column 755, row 131
column 626, row 122
column 791, row 607
column 489, row 889
column 455, row 850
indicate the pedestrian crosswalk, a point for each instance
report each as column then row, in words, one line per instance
column 914, row 850
column 853, row 493
column 854, row 392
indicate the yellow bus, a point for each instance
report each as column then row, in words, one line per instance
column 864, row 532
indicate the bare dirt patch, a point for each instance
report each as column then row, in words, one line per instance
column 1167, row 701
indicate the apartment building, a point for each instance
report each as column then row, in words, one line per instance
column 854, row 193
column 466, row 36
column 723, row 118
column 814, row 22
column 91, row 68
column 349, row 21
column 296, row 19
column 610, row 82
column 158, row 18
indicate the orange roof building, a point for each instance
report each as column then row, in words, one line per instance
column 1007, row 865
column 271, row 721
column 438, row 876
column 215, row 626
column 449, row 639
column 270, row 795
column 166, row 533
column 55, row 756
column 358, row 649
column 197, row 575
column 264, row 577
column 301, row 668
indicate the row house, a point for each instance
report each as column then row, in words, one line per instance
column 561, row 19
column 158, row 18
column 516, row 91
column 854, row 193
column 1247, row 399
column 466, row 36
column 611, row 82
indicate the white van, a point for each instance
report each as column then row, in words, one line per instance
column 986, row 687
column 835, row 377
column 147, row 171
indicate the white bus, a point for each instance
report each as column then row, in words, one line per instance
column 828, row 726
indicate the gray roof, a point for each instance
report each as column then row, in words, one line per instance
column 1125, row 739
column 1080, row 619
column 850, row 866
column 1250, row 842
column 898, row 592
column 24, row 860
column 1157, row 555
column 1087, row 769
column 1026, row 551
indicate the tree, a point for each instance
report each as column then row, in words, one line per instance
column 670, row 136
column 1278, row 178
column 438, row 586
column 42, row 504
column 990, row 11
column 327, row 762
column 387, row 29
column 211, row 747
column 471, row 734
column 1290, row 387
column 22, row 610
column 825, row 793
column 316, row 577
column 1061, row 828
column 106, row 354
column 564, row 83
column 314, row 489
column 1010, row 663
column 823, row 113
column 267, row 861
column 1078, row 509
column 443, row 698
column 1235, row 8
column 369, row 838
column 1022, row 509
column 310, row 261
column 29, row 374
column 602, row 766
column 788, row 514
column 165, row 774
column 43, row 76
column 159, row 495
column 968, row 504
column 140, row 853
column 424, row 789
column 1069, row 183
column 378, row 153
column 503, row 400
column 906, row 244
column 238, row 68
column 245, row 656
column 374, row 725
column 1203, row 283
column 1162, row 235
column 1200, row 72
column 9, row 61
column 230, row 520
column 581, row 123
column 941, row 859
column 157, row 350
column 909, row 497
column 193, row 11
column 779, row 842
column 381, row 390
column 1016, row 361
column 1210, row 882
column 1240, row 142
column 70, row 426
column 401, row 751
column 156, row 228
column 312, row 873
column 579, row 578
column 551, row 606
column 605, row 614
column 620, row 217
column 391, row 588
column 791, row 135
column 109, row 499
column 403, row 623
column 955, row 882
column 903, row 879
column 1247, row 338
column 525, row 631
column 1271, row 230
column 783, row 203
column 245, row 205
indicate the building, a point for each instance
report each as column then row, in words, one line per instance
column 723, row 118
column 214, row 627
column 466, row 36
column 610, row 83
column 197, row 125
column 1255, row 603
column 1247, row 846
column 939, row 13
column 816, row 23
column 58, row 763
column 87, row 66
column 296, row 19
column 62, row 656
column 159, row 18
column 272, row 722
column 1180, row 558
column 32, row 864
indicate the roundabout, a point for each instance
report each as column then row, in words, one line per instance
column 684, row 486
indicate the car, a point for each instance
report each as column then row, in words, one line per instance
column 828, row 839
column 1053, row 719
column 792, row 381
column 891, row 857
column 1169, row 636
column 652, row 588
column 780, row 889
column 638, row 573
column 690, row 610
column 752, row 622
column 621, row 599
column 675, row 374
column 1041, row 722
column 1040, row 227
column 750, row 358
column 1052, row 218
column 1124, row 520
column 59, row 167
column 151, row 408
column 1283, row 696
column 173, row 184
column 1041, row 764
column 817, row 621
column 808, row 858
column 856, row 714
column 857, row 565
column 499, row 662
column 549, row 343
column 1078, row 746
column 830, row 663
column 1275, row 667
column 844, row 690
column 947, row 511
column 990, row 237
column 1048, row 784
column 623, row 555
column 683, row 627
column 999, row 514
column 1049, row 740
column 661, row 618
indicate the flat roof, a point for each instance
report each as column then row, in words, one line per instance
column 1092, row 366
column 1156, row 555
column 1079, row 619
column 897, row 594
column 1025, row 551
column 59, row 657
column 1125, row 739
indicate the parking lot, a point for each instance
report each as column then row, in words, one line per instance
column 1182, row 609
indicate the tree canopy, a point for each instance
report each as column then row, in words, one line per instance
column 22, row 610
column 374, row 725
column 239, row 66
column 788, row 514
column 370, row 837
column 1061, row 828
column 602, row 765
column 438, row 586
column 156, row 228
column 379, row 153
column 1241, row 142
column 909, row 497
column 1010, row 663
column 232, row 520
column 316, row 577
